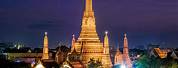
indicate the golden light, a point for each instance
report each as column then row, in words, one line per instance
column 67, row 66
column 39, row 66
column 106, row 32
column 123, row 66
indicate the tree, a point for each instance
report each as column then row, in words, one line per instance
column 148, row 62
column 94, row 63
column 142, row 62
column 169, row 62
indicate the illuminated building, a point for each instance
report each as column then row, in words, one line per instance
column 61, row 54
column 75, row 59
column 161, row 53
column 73, row 43
column 106, row 54
column 66, row 63
column 126, row 57
column 39, row 65
column 123, row 59
column 88, row 43
column 19, row 45
column 118, row 59
column 45, row 47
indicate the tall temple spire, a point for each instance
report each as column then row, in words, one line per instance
column 88, row 44
column 118, row 49
column 126, row 57
column 125, row 44
column 118, row 59
column 88, row 12
column 106, row 43
column 73, row 43
column 88, row 7
column 88, row 31
column 106, row 58
column 45, row 47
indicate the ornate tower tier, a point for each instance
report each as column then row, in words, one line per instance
column 88, row 43
column 88, row 28
column 118, row 59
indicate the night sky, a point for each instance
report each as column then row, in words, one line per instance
column 145, row 21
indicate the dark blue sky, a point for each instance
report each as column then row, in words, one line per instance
column 145, row 21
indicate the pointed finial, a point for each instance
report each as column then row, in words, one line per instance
column 46, row 33
column 118, row 50
column 73, row 35
column 125, row 34
column 106, row 32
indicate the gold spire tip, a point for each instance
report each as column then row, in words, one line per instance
column 106, row 32
column 46, row 33
column 125, row 34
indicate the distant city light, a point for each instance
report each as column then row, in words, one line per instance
column 18, row 61
column 138, row 56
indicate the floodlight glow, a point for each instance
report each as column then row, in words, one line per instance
column 123, row 66
column 67, row 66
column 39, row 66
column 106, row 32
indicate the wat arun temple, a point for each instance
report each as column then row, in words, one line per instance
column 88, row 43
column 87, row 51
column 89, row 46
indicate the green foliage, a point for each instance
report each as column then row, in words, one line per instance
column 94, row 63
column 142, row 62
column 147, row 62
column 170, row 63
column 152, row 62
